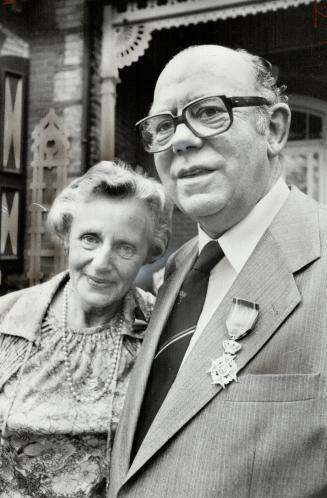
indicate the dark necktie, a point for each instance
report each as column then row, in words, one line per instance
column 176, row 336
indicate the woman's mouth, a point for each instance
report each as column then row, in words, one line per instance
column 98, row 282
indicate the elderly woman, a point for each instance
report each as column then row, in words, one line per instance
column 67, row 346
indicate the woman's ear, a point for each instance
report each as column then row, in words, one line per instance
column 279, row 125
column 154, row 254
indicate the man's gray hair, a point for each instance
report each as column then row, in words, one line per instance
column 113, row 179
column 266, row 84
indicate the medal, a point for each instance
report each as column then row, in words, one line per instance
column 241, row 318
column 240, row 321
column 223, row 370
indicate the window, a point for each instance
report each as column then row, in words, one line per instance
column 304, row 157
column 13, row 82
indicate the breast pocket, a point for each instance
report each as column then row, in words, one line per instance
column 273, row 388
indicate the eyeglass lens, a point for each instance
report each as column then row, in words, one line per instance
column 205, row 117
column 208, row 115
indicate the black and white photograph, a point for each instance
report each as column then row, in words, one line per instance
column 163, row 249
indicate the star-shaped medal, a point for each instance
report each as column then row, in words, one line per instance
column 223, row 370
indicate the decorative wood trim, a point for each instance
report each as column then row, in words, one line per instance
column 131, row 40
column 11, row 235
column 133, row 28
column 193, row 11
column 13, row 119
column 50, row 153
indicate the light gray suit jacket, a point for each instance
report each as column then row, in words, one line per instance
column 265, row 436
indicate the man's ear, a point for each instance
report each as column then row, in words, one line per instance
column 279, row 126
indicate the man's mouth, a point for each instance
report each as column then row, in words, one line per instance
column 194, row 172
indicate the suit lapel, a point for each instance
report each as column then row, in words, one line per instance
column 165, row 301
column 267, row 279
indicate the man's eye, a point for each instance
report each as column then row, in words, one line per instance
column 126, row 251
column 89, row 240
column 164, row 131
column 208, row 112
column 164, row 127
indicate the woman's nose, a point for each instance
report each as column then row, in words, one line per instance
column 184, row 139
column 104, row 258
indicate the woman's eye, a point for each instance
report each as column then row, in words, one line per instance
column 89, row 240
column 126, row 251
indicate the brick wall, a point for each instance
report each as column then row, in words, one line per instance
column 57, row 74
column 51, row 33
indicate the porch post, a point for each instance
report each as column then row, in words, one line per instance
column 109, row 75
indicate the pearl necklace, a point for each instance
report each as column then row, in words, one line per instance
column 67, row 363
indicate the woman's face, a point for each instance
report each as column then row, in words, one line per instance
column 108, row 243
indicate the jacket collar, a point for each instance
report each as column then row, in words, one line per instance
column 296, row 230
column 24, row 319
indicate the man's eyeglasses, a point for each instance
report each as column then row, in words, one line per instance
column 205, row 117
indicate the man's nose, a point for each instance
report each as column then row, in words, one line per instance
column 184, row 139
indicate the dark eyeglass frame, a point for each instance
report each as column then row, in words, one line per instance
column 230, row 103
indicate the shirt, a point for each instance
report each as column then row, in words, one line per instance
column 248, row 231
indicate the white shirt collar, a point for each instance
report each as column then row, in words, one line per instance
column 239, row 242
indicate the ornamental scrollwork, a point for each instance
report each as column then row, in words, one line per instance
column 131, row 43
column 134, row 27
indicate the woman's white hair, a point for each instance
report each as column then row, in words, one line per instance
column 114, row 179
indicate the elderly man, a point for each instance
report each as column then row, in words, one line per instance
column 228, row 397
